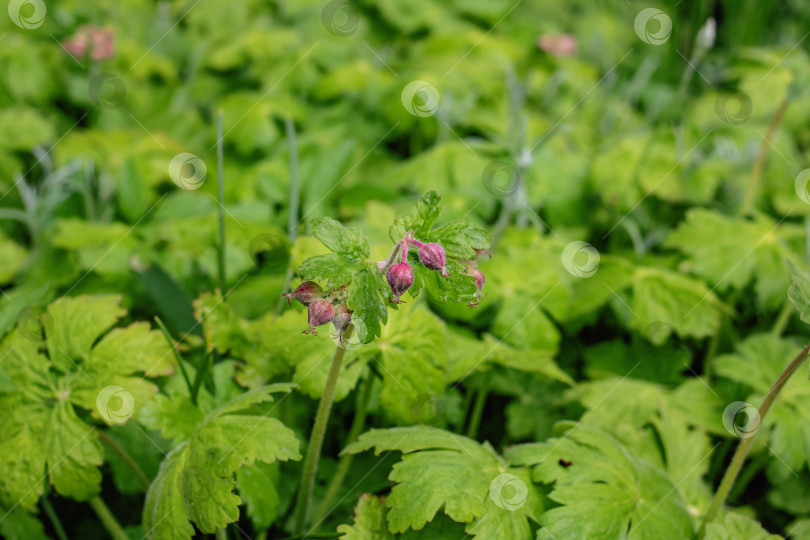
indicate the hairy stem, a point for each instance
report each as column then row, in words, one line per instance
column 358, row 424
column 759, row 164
column 118, row 449
column 745, row 445
column 400, row 245
column 316, row 439
column 107, row 519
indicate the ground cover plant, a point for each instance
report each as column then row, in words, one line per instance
column 378, row 270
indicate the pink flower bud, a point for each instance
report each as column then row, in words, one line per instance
column 320, row 313
column 480, row 279
column 306, row 293
column 381, row 266
column 400, row 278
column 342, row 317
column 432, row 256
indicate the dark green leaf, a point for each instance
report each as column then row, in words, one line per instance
column 348, row 242
column 422, row 217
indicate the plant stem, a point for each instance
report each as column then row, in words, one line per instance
column 221, row 534
column 358, row 424
column 124, row 455
column 51, row 513
column 316, row 439
column 745, row 445
column 783, row 319
column 478, row 410
column 177, row 357
column 292, row 221
column 756, row 172
column 747, row 474
column 714, row 344
column 221, row 199
column 107, row 519
column 400, row 245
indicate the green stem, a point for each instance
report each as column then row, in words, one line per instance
column 221, row 212
column 747, row 474
column 478, row 410
column 756, row 172
column 124, row 455
column 745, row 445
column 316, row 439
column 292, row 221
column 107, row 519
column 783, row 319
column 714, row 344
column 177, row 357
column 345, row 463
column 221, row 534
column 51, row 513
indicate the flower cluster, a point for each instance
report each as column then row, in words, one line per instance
column 432, row 256
column 321, row 306
column 330, row 305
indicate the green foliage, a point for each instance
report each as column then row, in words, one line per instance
column 557, row 126
column 441, row 470
column 620, row 494
column 196, row 480
column 48, row 377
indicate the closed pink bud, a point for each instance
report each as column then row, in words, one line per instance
column 342, row 317
column 433, row 257
column 320, row 313
column 480, row 279
column 306, row 293
column 400, row 278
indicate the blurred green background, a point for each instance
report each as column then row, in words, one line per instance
column 547, row 121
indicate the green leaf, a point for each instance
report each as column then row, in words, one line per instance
column 757, row 363
column 456, row 287
column 17, row 524
column 348, row 242
column 413, row 352
column 49, row 438
column 77, row 323
column 73, row 454
column 367, row 298
column 799, row 292
column 13, row 258
column 147, row 352
column 677, row 302
column 164, row 515
column 729, row 252
column 257, row 489
column 331, row 267
column 196, row 481
column 605, row 492
column 422, row 217
column 461, row 239
column 369, row 520
column 22, row 461
column 444, row 470
column 735, row 526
